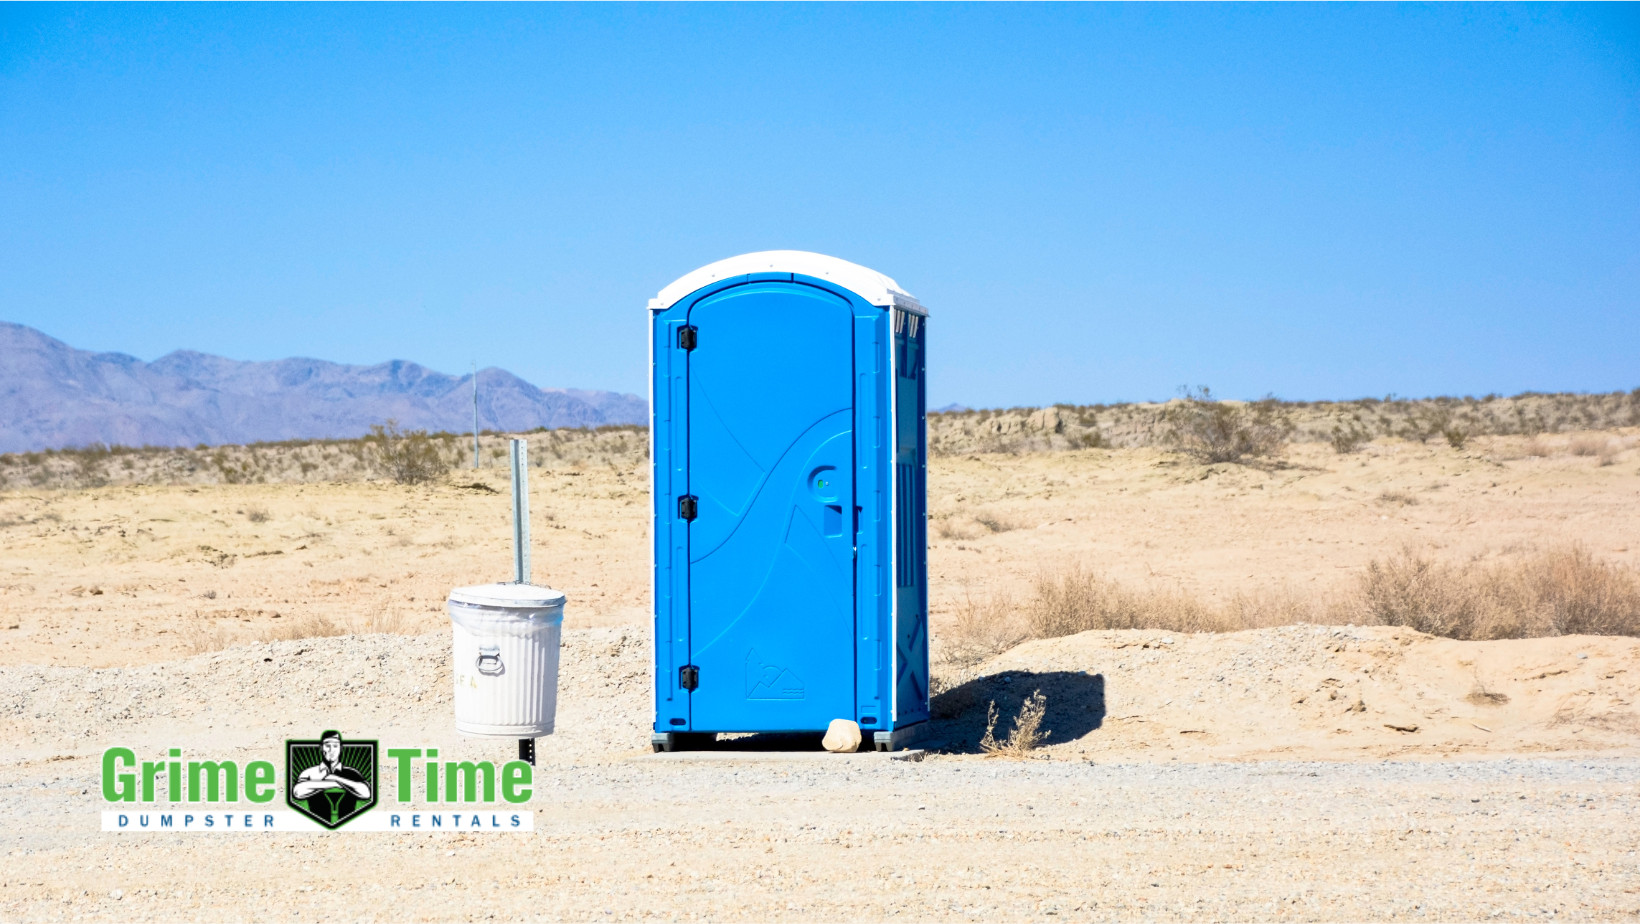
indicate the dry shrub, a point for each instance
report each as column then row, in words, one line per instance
column 998, row 522
column 976, row 525
column 311, row 626
column 1346, row 440
column 1538, row 447
column 1481, row 695
column 1437, row 599
column 983, row 630
column 257, row 514
column 1565, row 591
column 1214, row 431
column 1077, row 600
column 1027, row 732
column 950, row 528
column 1404, row 498
column 202, row 637
column 406, row 456
column 381, row 622
column 320, row 626
column 1581, row 595
column 1561, row 592
column 1588, row 445
column 1265, row 608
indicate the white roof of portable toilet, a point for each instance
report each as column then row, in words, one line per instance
column 869, row 284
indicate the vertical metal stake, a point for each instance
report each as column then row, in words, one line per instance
column 475, row 413
column 520, row 453
column 521, row 511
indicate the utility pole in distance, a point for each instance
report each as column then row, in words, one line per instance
column 475, row 413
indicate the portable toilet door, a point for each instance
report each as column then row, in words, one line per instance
column 788, row 455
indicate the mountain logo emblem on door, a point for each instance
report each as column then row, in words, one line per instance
column 770, row 681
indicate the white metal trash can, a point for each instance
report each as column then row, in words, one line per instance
column 506, row 659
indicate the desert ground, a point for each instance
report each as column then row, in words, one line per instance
column 1310, row 769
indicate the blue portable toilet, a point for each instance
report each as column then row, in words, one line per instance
column 787, row 411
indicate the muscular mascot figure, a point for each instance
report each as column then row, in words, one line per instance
column 329, row 784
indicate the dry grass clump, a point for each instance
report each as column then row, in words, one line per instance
column 1215, row 431
column 1561, row 592
column 983, row 630
column 1588, row 445
column 312, row 626
column 1076, row 599
column 256, row 514
column 1481, row 695
column 1349, row 438
column 1566, row 591
column 953, row 528
column 995, row 522
column 1026, row 734
column 406, row 456
column 204, row 636
column 1403, row 498
column 981, row 523
column 201, row 637
column 1601, row 447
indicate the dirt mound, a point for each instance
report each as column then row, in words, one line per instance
column 251, row 697
column 1307, row 692
column 1291, row 692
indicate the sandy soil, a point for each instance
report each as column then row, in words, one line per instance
column 1299, row 772
column 135, row 574
column 1146, row 802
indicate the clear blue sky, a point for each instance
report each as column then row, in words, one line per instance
column 1098, row 202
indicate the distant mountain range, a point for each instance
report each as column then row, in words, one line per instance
column 54, row 396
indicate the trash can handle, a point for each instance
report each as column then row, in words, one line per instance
column 489, row 660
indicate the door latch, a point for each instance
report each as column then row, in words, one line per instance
column 688, row 506
column 686, row 337
column 689, row 676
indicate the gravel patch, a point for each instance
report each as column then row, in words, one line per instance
column 622, row 834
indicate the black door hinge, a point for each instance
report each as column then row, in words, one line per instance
column 686, row 337
column 689, row 676
column 688, row 506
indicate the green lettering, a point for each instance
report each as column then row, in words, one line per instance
column 516, row 778
column 406, row 770
column 150, row 769
column 466, row 773
column 119, row 781
column 214, row 773
column 259, row 781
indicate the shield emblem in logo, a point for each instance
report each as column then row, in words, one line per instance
column 330, row 780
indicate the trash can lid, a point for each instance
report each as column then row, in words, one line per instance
column 508, row 594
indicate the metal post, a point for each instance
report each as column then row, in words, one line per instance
column 521, row 510
column 475, row 414
column 520, row 453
